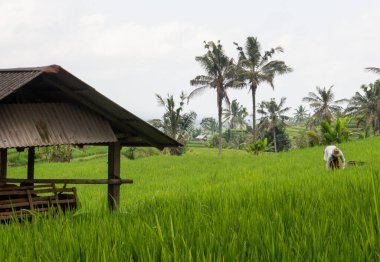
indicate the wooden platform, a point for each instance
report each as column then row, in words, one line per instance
column 24, row 201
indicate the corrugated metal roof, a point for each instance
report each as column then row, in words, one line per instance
column 24, row 125
column 11, row 81
column 130, row 130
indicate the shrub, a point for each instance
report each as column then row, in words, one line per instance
column 60, row 153
column 258, row 146
column 334, row 134
column 130, row 152
column 139, row 152
column 313, row 137
column 301, row 140
column 282, row 139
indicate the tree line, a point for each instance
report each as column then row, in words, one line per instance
column 252, row 68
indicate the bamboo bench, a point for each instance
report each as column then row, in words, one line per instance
column 24, row 201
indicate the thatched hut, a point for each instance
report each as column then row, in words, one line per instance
column 44, row 106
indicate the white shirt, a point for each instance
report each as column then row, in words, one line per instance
column 329, row 156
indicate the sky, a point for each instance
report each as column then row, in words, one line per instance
column 131, row 50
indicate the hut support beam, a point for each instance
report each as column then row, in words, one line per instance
column 114, row 173
column 31, row 156
column 3, row 162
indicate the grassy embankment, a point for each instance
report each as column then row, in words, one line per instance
column 200, row 207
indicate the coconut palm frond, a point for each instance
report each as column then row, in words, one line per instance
column 197, row 92
column 256, row 67
column 201, row 80
column 273, row 116
column 373, row 69
column 325, row 108
column 220, row 74
column 160, row 100
column 366, row 107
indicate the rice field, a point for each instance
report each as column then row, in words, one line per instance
column 239, row 207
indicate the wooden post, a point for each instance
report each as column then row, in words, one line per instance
column 114, row 173
column 3, row 163
column 31, row 155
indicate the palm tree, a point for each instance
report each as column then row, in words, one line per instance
column 300, row 114
column 209, row 124
column 366, row 107
column 323, row 105
column 273, row 116
column 235, row 115
column 256, row 67
column 174, row 122
column 374, row 69
column 220, row 70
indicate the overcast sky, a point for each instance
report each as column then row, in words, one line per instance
column 130, row 50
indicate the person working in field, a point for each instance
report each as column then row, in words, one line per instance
column 332, row 155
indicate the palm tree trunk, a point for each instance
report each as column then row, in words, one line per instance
column 374, row 127
column 274, row 140
column 220, row 126
column 254, row 129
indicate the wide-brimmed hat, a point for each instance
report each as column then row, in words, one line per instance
column 336, row 152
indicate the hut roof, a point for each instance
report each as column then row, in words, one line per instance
column 51, row 100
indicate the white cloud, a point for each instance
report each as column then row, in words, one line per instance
column 130, row 59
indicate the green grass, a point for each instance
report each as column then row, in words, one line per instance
column 201, row 207
column 294, row 131
column 88, row 152
column 197, row 143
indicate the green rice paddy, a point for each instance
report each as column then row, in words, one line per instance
column 199, row 207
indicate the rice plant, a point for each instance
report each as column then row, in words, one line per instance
column 238, row 207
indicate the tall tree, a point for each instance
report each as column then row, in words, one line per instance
column 209, row 124
column 273, row 116
column 366, row 107
column 323, row 104
column 300, row 114
column 175, row 122
column 235, row 115
column 256, row 67
column 220, row 73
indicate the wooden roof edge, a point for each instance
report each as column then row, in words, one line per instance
column 50, row 68
column 109, row 107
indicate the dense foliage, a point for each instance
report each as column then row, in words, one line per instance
column 175, row 123
column 325, row 108
column 272, row 121
column 258, row 147
column 235, row 115
column 366, row 107
column 335, row 134
column 282, row 139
